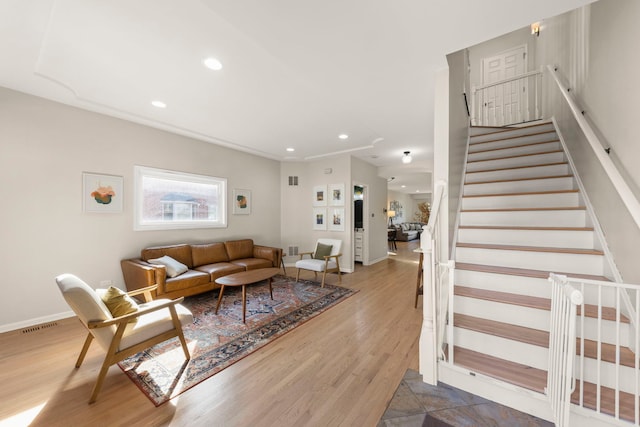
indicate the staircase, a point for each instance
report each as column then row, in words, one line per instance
column 522, row 216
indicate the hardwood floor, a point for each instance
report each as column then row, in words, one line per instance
column 339, row 369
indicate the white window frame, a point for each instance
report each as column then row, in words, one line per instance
column 140, row 172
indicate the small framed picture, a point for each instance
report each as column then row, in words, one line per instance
column 336, row 219
column 241, row 202
column 101, row 193
column 319, row 218
column 336, row 195
column 320, row 195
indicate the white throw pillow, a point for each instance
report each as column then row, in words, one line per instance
column 174, row 268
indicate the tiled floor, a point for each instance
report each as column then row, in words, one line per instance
column 416, row 404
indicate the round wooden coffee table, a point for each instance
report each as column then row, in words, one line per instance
column 243, row 279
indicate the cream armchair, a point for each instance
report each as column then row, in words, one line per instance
column 319, row 262
column 123, row 336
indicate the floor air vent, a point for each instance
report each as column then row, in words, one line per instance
column 39, row 327
column 293, row 251
column 293, row 180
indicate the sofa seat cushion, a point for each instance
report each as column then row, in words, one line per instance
column 220, row 269
column 253, row 263
column 210, row 253
column 186, row 280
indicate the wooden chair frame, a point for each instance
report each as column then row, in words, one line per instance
column 326, row 266
column 113, row 354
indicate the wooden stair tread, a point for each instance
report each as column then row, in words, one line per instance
column 539, row 338
column 536, row 380
column 505, row 370
column 550, row 208
column 530, row 248
column 608, row 313
column 508, row 227
column 529, row 193
column 512, row 271
column 535, row 178
column 519, row 167
column 529, row 144
column 516, row 156
column 525, row 135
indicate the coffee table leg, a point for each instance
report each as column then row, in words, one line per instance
column 244, row 302
column 270, row 287
column 220, row 298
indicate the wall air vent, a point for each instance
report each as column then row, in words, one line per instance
column 293, row 251
column 39, row 327
column 293, row 180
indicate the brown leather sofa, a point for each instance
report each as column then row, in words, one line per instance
column 205, row 262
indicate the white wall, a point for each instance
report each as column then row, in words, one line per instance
column 45, row 147
column 596, row 53
column 297, row 205
column 375, row 220
column 407, row 203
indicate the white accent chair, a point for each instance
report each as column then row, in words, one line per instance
column 155, row 322
column 328, row 264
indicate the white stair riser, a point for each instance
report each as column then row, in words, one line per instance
column 512, row 162
column 513, row 133
column 546, row 261
column 608, row 375
column 478, row 131
column 531, row 185
column 505, row 313
column 548, row 238
column 534, row 318
column 475, row 146
column 514, row 151
column 551, row 218
column 522, row 285
column 528, row 172
column 515, row 351
column 547, row 200
column 530, row 286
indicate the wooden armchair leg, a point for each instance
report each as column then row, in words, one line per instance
column 85, row 347
column 324, row 275
column 100, row 380
column 297, row 274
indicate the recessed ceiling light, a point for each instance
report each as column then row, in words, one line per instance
column 417, row 191
column 212, row 64
column 343, row 136
column 291, row 149
column 158, row 104
column 403, row 186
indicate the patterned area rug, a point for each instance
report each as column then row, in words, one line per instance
column 217, row 341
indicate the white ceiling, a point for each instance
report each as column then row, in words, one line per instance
column 295, row 73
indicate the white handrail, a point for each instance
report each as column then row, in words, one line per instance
column 627, row 196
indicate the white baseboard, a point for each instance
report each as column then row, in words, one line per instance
column 36, row 321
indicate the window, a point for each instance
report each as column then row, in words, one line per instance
column 169, row 200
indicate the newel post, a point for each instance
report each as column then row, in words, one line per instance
column 428, row 342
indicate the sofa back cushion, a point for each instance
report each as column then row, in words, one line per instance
column 209, row 253
column 239, row 249
column 180, row 253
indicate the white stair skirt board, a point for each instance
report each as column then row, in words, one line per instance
column 520, row 186
column 507, row 313
column 530, row 160
column 549, row 199
column 531, row 218
column 529, row 237
column 547, row 261
column 536, row 171
column 477, row 147
column 520, row 352
column 514, row 150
